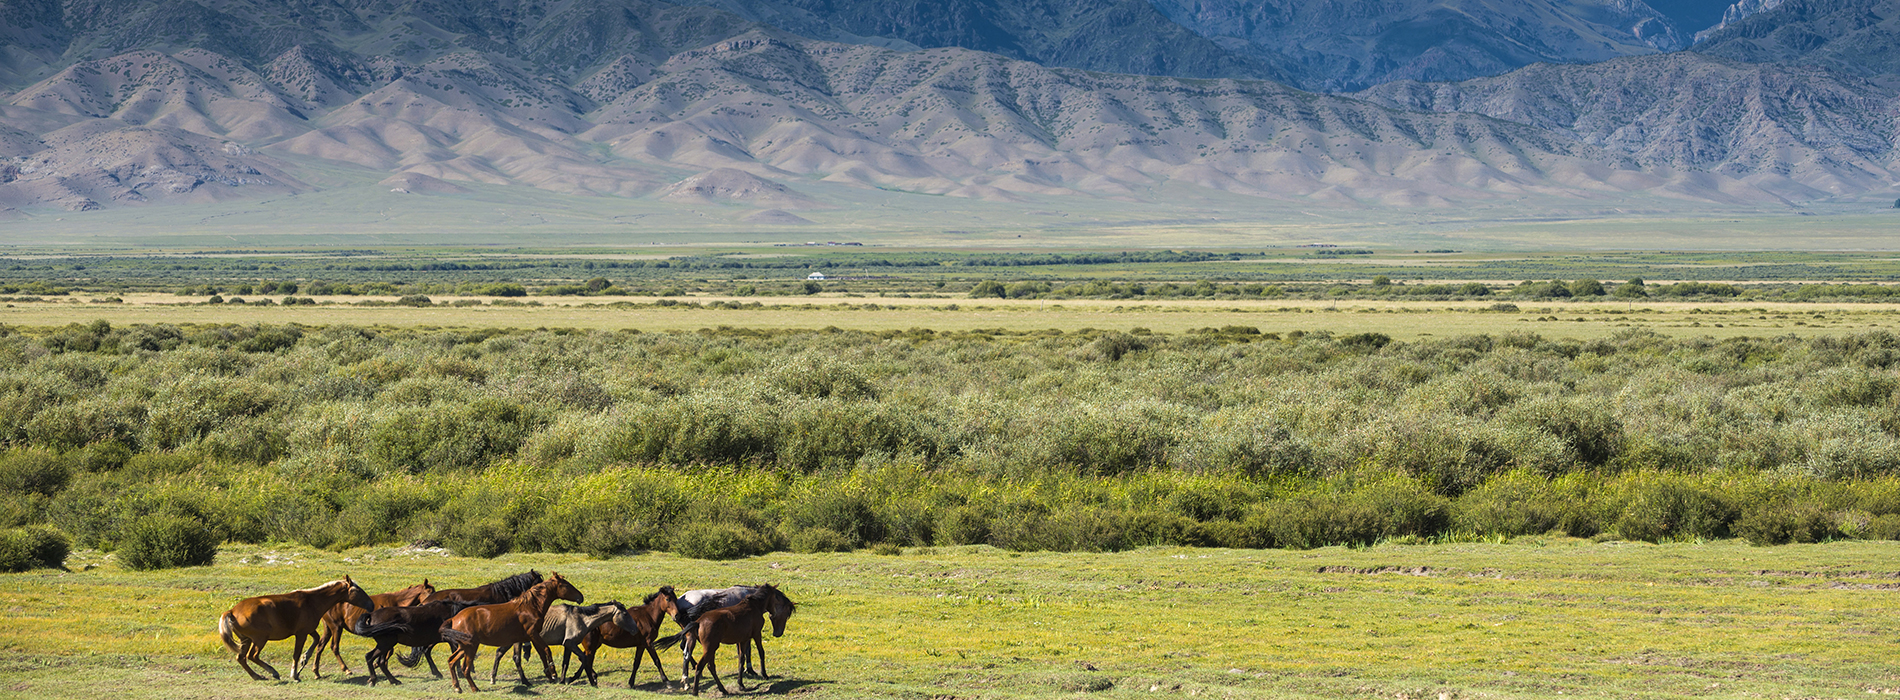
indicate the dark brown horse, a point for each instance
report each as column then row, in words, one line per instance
column 416, row 626
column 778, row 607
column 503, row 624
column 254, row 622
column 633, row 627
column 497, row 592
column 334, row 620
column 736, row 624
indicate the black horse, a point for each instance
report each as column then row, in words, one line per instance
column 416, row 626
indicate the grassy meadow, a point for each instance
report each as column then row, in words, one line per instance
column 1542, row 617
column 990, row 473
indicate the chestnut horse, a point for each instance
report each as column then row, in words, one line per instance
column 503, row 624
column 565, row 625
column 497, row 592
column 633, row 627
column 254, row 622
column 416, row 626
column 334, row 620
column 735, row 624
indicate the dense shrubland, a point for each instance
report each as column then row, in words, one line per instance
column 155, row 439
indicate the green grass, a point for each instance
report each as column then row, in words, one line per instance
column 1539, row 617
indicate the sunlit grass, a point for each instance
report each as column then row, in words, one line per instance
column 1541, row 617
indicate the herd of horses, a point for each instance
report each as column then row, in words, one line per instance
column 515, row 613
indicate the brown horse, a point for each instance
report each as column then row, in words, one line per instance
column 497, row 592
column 779, row 608
column 633, row 627
column 333, row 621
column 565, row 625
column 737, row 624
column 503, row 624
column 253, row 622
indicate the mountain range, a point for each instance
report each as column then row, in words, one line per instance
column 743, row 103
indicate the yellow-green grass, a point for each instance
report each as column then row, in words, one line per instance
column 1400, row 319
column 1538, row 617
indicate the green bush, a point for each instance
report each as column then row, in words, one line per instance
column 33, row 470
column 33, row 548
column 1782, row 522
column 1391, row 506
column 165, row 541
column 1524, row 503
column 718, row 541
column 965, row 525
column 1653, row 507
column 818, row 540
column 846, row 514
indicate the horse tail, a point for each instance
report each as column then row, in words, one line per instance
column 227, row 632
column 413, row 657
column 362, row 628
column 455, row 636
column 668, row 642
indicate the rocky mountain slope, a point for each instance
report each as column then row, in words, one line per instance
column 1858, row 37
column 1350, row 44
column 1830, row 133
column 697, row 106
column 1328, row 45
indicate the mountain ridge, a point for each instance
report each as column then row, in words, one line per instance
column 653, row 95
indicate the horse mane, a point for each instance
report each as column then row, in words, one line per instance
column 790, row 606
column 513, row 586
column 319, row 587
column 664, row 591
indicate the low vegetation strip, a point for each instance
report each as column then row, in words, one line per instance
column 735, row 442
column 1541, row 617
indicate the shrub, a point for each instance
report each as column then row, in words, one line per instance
column 32, row 548
column 1652, row 507
column 485, row 538
column 818, row 540
column 965, row 525
column 1784, row 521
column 33, row 471
column 165, row 541
column 1393, row 506
column 846, row 514
column 717, row 541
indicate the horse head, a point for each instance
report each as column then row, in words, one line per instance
column 414, row 595
column 355, row 595
column 669, row 602
column 779, row 607
column 562, row 589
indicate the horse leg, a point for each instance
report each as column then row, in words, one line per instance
column 744, row 652
column 657, row 667
column 243, row 659
column 710, row 658
column 256, row 651
column 494, row 671
column 518, row 670
column 455, row 675
column 472, row 651
column 546, row 654
column 639, row 655
column 759, row 641
column 428, row 654
column 382, row 660
column 698, row 672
